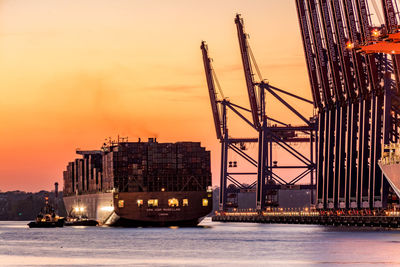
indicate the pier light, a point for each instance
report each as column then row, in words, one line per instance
column 349, row 45
column 76, row 209
column 376, row 33
column 81, row 209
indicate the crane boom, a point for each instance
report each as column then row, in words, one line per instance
column 211, row 90
column 366, row 37
column 332, row 50
column 319, row 51
column 391, row 26
column 312, row 69
column 248, row 73
column 345, row 56
column 354, row 37
column 363, row 20
column 390, row 15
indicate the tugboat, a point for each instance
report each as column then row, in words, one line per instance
column 77, row 218
column 47, row 221
column 47, row 218
column 80, row 222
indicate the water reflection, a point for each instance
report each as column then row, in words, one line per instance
column 212, row 243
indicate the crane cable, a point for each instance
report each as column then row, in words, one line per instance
column 254, row 62
column 253, row 59
column 397, row 9
column 217, row 82
column 378, row 14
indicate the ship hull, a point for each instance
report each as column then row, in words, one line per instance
column 199, row 204
column 135, row 223
column 96, row 206
column 392, row 174
column 132, row 209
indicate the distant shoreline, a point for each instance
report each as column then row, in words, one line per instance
column 24, row 206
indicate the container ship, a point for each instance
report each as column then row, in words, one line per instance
column 390, row 166
column 140, row 184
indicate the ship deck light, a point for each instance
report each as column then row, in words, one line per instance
column 376, row 33
column 349, row 45
column 79, row 209
column 107, row 208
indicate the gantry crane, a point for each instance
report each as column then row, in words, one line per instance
column 219, row 109
column 219, row 121
column 257, row 108
column 350, row 64
column 267, row 180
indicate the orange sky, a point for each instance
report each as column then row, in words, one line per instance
column 76, row 72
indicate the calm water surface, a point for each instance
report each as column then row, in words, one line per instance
column 225, row 244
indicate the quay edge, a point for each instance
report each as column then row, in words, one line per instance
column 367, row 221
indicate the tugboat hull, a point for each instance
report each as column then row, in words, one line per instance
column 59, row 223
column 82, row 223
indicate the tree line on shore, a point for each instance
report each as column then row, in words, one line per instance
column 25, row 206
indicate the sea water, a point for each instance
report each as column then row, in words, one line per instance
column 210, row 244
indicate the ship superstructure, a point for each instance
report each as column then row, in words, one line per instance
column 390, row 165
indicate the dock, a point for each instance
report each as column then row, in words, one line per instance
column 386, row 220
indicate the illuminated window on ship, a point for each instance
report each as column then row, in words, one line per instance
column 152, row 202
column 120, row 203
column 173, row 202
column 205, row 202
column 185, row 202
column 139, row 202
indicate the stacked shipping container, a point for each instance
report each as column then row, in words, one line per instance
column 140, row 167
column 84, row 175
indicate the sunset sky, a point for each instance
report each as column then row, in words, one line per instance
column 76, row 72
